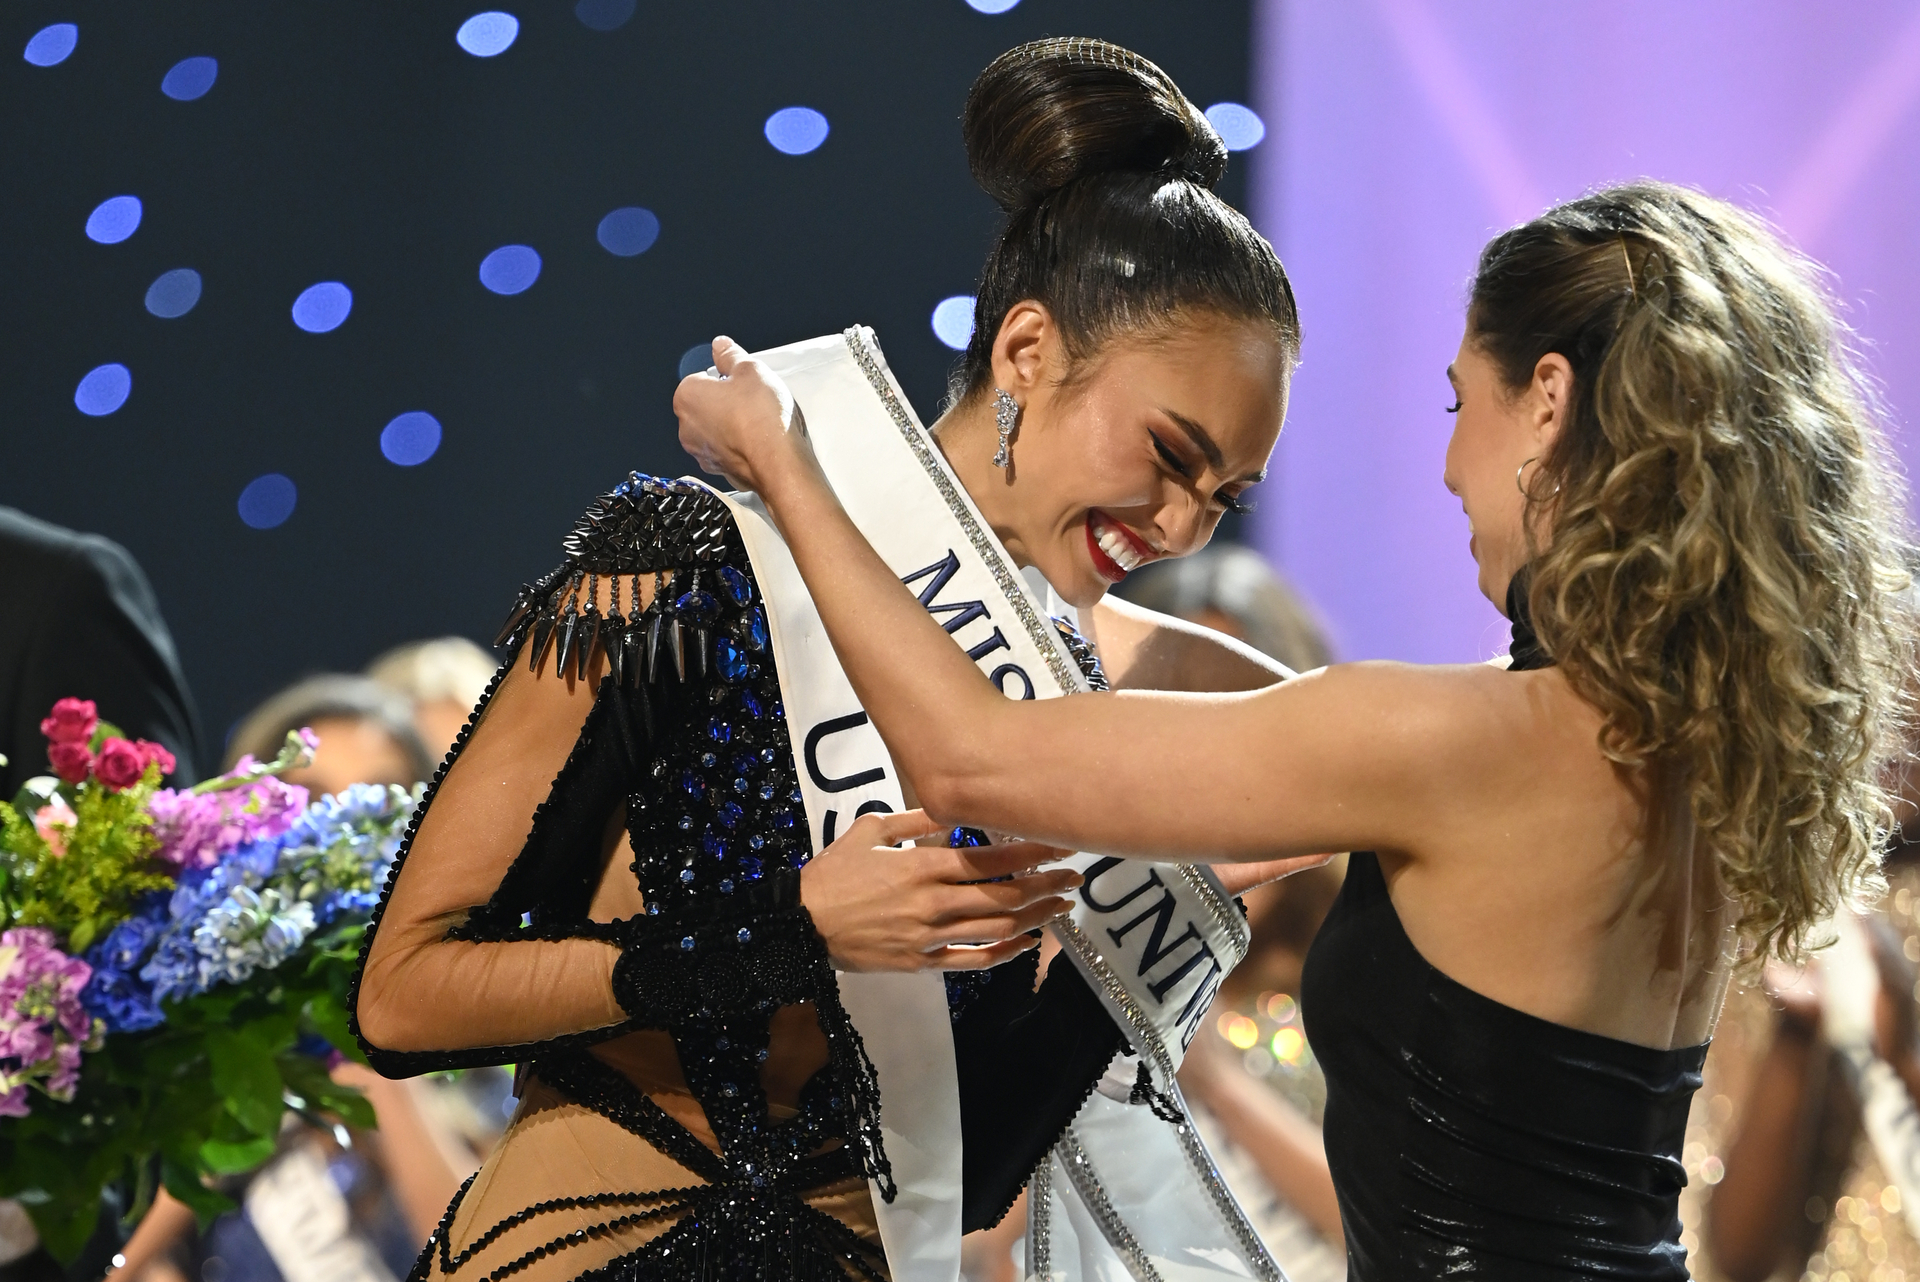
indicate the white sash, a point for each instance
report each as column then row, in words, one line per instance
column 1154, row 940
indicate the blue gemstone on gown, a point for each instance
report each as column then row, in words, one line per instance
column 697, row 606
column 711, row 842
column 750, row 868
column 756, row 629
column 730, row 657
column 738, row 589
column 751, row 702
column 719, row 731
column 729, row 814
column 692, row 784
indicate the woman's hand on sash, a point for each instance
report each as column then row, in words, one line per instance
column 884, row 906
column 739, row 422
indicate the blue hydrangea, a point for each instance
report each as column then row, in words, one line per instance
column 249, row 930
column 115, row 993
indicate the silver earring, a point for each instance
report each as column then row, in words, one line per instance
column 1006, row 417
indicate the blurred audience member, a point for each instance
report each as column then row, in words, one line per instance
column 81, row 621
column 444, row 678
column 366, row 733
column 1787, row 1177
column 1232, row 589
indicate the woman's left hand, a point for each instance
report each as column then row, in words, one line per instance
column 1238, row 879
column 740, row 421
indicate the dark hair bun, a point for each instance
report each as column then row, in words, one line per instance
column 1053, row 111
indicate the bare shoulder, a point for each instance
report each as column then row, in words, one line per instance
column 1144, row 649
column 1451, row 737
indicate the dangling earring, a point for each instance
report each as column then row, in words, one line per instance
column 1006, row 417
column 1520, row 483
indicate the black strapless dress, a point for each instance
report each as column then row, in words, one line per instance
column 1471, row 1140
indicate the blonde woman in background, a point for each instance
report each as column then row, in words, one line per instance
column 444, row 677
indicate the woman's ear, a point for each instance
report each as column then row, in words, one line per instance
column 1552, row 399
column 1027, row 341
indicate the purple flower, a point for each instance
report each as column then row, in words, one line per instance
column 43, row 1025
column 198, row 829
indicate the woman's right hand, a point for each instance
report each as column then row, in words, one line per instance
column 882, row 906
column 740, row 421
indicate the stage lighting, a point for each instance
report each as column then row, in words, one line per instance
column 486, row 34
column 992, row 6
column 603, row 15
column 510, row 269
column 322, row 307
column 103, row 390
column 190, row 78
column 51, row 45
column 696, row 358
column 114, row 219
column 1237, row 126
column 953, row 321
column 796, row 130
column 628, row 231
column 411, row 438
column 174, row 293
column 268, row 501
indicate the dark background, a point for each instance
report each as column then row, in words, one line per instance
column 355, row 141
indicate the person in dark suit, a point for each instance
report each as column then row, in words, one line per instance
column 82, row 622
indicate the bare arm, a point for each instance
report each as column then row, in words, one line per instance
column 1335, row 760
column 1144, row 649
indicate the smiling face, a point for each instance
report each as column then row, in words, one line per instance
column 1498, row 432
column 1133, row 455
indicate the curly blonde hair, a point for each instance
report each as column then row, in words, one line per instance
column 1724, row 547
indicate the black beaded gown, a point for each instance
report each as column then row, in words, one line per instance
column 694, row 1101
column 1471, row 1140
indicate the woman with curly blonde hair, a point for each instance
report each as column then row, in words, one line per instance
column 1679, row 496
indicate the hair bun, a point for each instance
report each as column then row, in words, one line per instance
column 1052, row 111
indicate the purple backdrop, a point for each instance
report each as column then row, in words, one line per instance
column 1403, row 133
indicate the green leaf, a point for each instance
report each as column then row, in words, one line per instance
column 244, row 1073
column 329, row 1019
column 103, row 731
column 65, row 1226
column 227, row 1158
column 182, row 1179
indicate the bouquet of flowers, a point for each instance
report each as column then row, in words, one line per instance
column 174, row 967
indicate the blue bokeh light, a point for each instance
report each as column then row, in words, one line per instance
column 104, row 390
column 628, row 231
column 411, row 438
column 1239, row 127
column 174, row 293
column 953, row 321
column 322, row 307
column 50, row 46
column 510, row 269
column 487, row 34
column 796, row 130
column 114, row 219
column 268, row 501
column 603, row 15
column 696, row 358
column 992, row 6
column 190, row 78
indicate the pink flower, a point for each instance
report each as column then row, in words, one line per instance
column 120, row 764
column 197, row 830
column 154, row 752
column 55, row 823
column 72, row 721
column 71, row 759
column 43, row 1026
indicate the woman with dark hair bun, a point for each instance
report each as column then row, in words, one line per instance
column 661, row 869
column 1677, row 492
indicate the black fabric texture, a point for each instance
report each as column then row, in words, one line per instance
column 1027, row 1061
column 83, row 623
